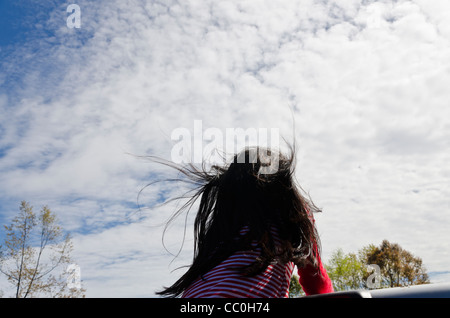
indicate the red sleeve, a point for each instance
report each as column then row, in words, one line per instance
column 315, row 280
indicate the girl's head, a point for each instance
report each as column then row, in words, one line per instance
column 257, row 191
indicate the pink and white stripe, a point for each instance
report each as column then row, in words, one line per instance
column 226, row 281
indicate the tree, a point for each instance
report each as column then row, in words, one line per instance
column 346, row 271
column 295, row 289
column 398, row 267
column 35, row 248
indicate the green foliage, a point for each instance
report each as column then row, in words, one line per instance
column 295, row 289
column 346, row 271
column 397, row 268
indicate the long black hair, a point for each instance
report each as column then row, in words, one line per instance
column 242, row 194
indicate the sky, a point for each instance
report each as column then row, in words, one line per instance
column 360, row 86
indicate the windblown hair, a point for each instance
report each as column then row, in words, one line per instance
column 239, row 195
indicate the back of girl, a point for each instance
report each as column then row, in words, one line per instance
column 252, row 227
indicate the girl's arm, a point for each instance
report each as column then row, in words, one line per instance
column 314, row 280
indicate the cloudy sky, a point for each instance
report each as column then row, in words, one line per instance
column 364, row 82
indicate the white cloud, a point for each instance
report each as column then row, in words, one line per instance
column 367, row 80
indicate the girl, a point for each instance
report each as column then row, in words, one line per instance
column 251, row 229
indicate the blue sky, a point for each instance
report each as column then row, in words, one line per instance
column 20, row 19
column 367, row 81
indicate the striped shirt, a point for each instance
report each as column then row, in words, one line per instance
column 226, row 281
